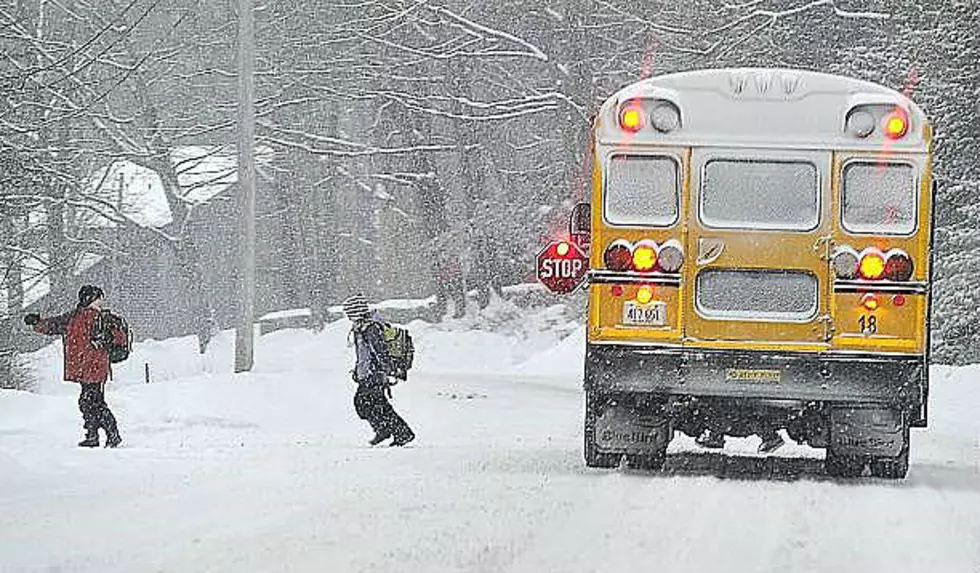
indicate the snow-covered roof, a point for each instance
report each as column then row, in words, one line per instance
column 760, row 107
column 137, row 192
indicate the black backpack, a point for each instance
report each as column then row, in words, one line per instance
column 105, row 324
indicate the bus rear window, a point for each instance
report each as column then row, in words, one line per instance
column 757, row 295
column 879, row 198
column 755, row 194
column 641, row 190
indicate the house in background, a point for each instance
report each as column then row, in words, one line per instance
column 128, row 243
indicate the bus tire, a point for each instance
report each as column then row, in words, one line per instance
column 839, row 466
column 649, row 462
column 593, row 457
column 892, row 467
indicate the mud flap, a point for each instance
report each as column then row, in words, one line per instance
column 620, row 429
column 868, row 432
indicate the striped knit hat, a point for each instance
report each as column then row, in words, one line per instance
column 356, row 308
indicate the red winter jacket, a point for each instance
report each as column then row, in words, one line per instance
column 84, row 362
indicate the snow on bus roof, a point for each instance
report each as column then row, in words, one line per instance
column 754, row 106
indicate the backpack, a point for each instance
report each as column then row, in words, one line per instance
column 401, row 350
column 103, row 334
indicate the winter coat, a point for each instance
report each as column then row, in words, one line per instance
column 372, row 353
column 86, row 361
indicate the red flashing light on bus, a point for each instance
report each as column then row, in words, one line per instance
column 632, row 118
column 618, row 256
column 898, row 265
column 896, row 124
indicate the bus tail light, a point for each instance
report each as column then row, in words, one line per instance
column 872, row 266
column 845, row 262
column 645, row 256
column 632, row 118
column 671, row 257
column 898, row 265
column 896, row 124
column 618, row 256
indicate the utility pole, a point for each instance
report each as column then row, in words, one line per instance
column 117, row 238
column 244, row 339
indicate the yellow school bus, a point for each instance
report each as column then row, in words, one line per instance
column 760, row 244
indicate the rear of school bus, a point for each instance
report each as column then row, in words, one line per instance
column 760, row 259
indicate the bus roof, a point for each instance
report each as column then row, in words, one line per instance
column 762, row 107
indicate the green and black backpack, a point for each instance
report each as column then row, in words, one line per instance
column 401, row 350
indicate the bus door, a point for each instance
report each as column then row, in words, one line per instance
column 758, row 242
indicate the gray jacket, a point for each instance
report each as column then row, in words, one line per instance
column 372, row 353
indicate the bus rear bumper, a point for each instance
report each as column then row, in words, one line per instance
column 831, row 378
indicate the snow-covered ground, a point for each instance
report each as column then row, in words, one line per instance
column 269, row 471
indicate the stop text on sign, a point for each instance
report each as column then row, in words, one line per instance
column 561, row 268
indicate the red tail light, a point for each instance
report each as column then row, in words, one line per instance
column 898, row 265
column 872, row 265
column 618, row 256
column 671, row 257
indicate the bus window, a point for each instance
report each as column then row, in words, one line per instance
column 755, row 194
column 642, row 190
column 879, row 198
column 757, row 295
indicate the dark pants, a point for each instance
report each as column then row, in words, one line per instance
column 95, row 412
column 372, row 406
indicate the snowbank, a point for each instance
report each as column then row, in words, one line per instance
column 504, row 338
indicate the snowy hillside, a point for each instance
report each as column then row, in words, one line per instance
column 269, row 471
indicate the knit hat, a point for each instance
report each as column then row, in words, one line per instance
column 356, row 308
column 89, row 294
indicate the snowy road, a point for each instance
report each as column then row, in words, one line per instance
column 267, row 472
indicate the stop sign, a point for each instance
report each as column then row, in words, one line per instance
column 562, row 266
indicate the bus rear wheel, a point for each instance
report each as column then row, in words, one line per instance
column 843, row 466
column 593, row 457
column 649, row 462
column 891, row 467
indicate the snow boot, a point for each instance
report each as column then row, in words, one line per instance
column 402, row 439
column 379, row 437
column 112, row 440
column 112, row 437
column 91, row 440
column 771, row 443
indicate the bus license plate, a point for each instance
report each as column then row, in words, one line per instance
column 651, row 314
